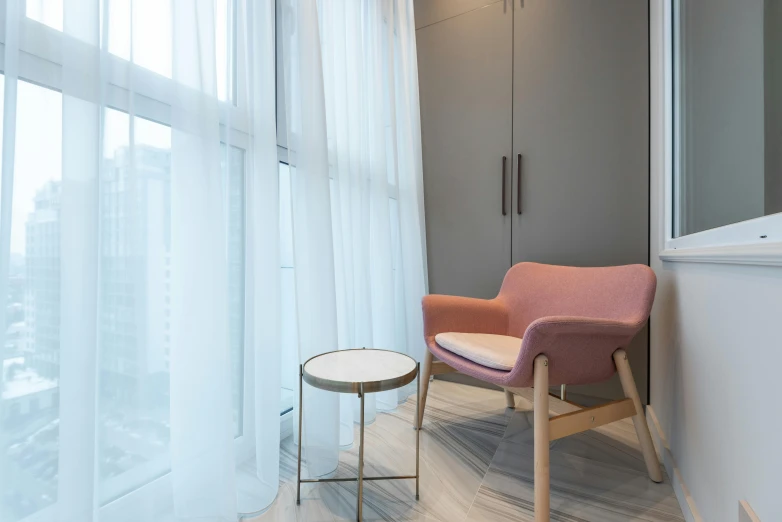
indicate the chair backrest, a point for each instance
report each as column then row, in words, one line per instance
column 621, row 293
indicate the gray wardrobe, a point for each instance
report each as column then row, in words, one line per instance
column 535, row 128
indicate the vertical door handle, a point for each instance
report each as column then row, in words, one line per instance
column 504, row 184
column 518, row 187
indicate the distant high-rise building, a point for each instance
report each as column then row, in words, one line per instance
column 134, row 281
column 135, row 242
column 42, row 291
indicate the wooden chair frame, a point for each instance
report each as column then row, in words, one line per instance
column 549, row 429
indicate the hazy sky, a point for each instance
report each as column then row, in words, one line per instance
column 39, row 124
column 38, row 152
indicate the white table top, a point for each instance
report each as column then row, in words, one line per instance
column 346, row 370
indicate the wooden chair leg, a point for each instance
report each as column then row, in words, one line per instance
column 639, row 420
column 426, row 373
column 541, row 426
column 510, row 399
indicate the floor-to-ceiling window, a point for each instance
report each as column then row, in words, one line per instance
column 133, row 221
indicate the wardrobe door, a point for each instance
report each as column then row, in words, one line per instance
column 465, row 69
column 580, row 124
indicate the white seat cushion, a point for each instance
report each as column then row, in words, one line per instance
column 493, row 351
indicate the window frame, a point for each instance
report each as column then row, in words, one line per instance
column 752, row 242
column 152, row 97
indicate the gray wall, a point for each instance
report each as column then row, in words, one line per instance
column 773, row 101
column 431, row 18
column 723, row 112
column 586, row 200
column 428, row 12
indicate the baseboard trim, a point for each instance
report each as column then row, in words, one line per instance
column 686, row 502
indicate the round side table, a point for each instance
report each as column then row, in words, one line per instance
column 360, row 371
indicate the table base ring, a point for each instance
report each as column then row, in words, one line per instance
column 355, row 479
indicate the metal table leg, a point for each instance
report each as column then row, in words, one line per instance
column 301, row 442
column 360, row 495
column 418, row 428
column 361, row 478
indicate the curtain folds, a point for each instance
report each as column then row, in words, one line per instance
column 257, row 490
column 141, row 208
column 351, row 119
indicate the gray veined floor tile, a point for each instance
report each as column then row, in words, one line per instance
column 593, row 444
column 462, row 431
column 288, row 456
column 595, row 476
column 581, row 490
column 465, row 407
column 476, row 464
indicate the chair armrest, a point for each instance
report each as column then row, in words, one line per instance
column 447, row 313
column 578, row 325
column 579, row 349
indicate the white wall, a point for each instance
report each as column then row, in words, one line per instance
column 716, row 359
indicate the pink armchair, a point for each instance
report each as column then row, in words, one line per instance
column 570, row 325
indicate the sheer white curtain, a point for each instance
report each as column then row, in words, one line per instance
column 354, row 150
column 139, row 237
column 140, row 244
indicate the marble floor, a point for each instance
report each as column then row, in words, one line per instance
column 476, row 465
